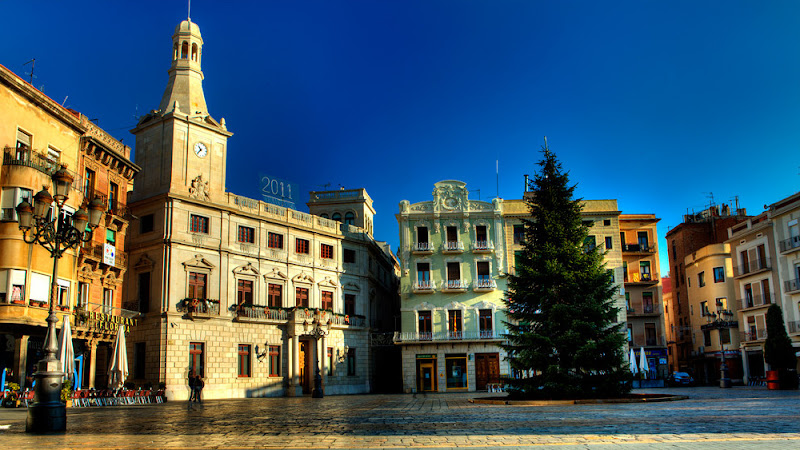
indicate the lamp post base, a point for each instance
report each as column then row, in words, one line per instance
column 724, row 380
column 47, row 414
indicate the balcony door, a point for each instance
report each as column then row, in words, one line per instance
column 643, row 241
column 425, row 326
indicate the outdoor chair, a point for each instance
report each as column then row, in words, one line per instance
column 27, row 397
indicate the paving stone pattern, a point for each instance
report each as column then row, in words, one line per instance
column 712, row 417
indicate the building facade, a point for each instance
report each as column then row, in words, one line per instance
column 452, row 284
column 39, row 136
column 785, row 216
column 252, row 296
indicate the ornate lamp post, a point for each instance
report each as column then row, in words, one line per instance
column 724, row 378
column 47, row 414
column 317, row 331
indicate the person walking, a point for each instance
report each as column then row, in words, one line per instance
column 191, row 379
column 198, row 389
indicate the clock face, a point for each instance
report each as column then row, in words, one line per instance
column 200, row 149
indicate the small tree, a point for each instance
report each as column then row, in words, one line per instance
column 563, row 332
column 778, row 350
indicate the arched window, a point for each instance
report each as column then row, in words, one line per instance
column 349, row 218
column 324, row 216
column 184, row 50
column 337, row 217
column 175, row 52
column 194, row 52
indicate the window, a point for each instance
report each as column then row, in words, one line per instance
column 606, row 222
column 349, row 256
column 765, row 291
column 324, row 216
column 326, row 251
column 244, row 360
column 275, row 295
column 146, row 224
column 485, row 322
column 301, row 246
column 724, row 336
column 453, row 275
column 589, row 244
column 275, row 240
column 701, row 279
column 327, row 300
column 722, row 304
column 704, row 309
column 650, row 334
column 454, row 324
column 643, row 241
column 628, row 305
column 11, row 198
column 350, row 304
column 456, row 371
column 674, row 252
column 83, row 294
column 422, row 235
column 609, row 243
column 199, row 224
column 484, row 276
column 644, row 270
column 111, row 237
column 337, row 217
column 452, row 234
column 197, row 360
column 647, row 303
column 424, row 275
column 301, row 297
column 244, row 292
column 62, row 294
column 630, row 334
column 197, row 285
column 139, row 360
column 144, row 292
column 351, row 362
column 719, row 274
column 707, row 338
column 481, row 236
column 108, row 301
column 274, row 360
column 113, row 197
column 611, row 274
column 246, row 235
column 425, row 325
column 88, row 184
column 519, row 234
column 622, row 239
column 330, row 361
column 349, row 218
column 23, row 145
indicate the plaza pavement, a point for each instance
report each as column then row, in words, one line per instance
column 742, row 417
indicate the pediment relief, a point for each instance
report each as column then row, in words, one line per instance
column 86, row 272
column 110, row 280
column 275, row 274
column 199, row 261
column 424, row 306
column 144, row 263
column 450, row 195
column 303, row 277
column 455, row 305
column 329, row 282
column 485, row 305
column 246, row 269
column 351, row 287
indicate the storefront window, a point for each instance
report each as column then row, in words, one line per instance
column 456, row 367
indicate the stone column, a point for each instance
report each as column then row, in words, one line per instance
column 92, row 361
column 295, row 360
column 20, row 358
column 324, row 352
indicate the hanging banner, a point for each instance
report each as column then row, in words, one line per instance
column 109, row 254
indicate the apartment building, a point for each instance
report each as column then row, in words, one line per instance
column 642, row 280
column 252, row 296
column 784, row 215
column 713, row 314
column 452, row 284
column 697, row 230
column 39, row 136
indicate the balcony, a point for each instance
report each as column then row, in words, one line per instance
column 454, row 286
column 793, row 326
column 260, row 313
column 422, row 248
column 28, row 158
column 790, row 244
column 97, row 252
column 791, row 286
column 638, row 248
column 401, row 337
column 755, row 301
column 324, row 316
column 453, row 247
column 642, row 278
column 199, row 308
column 483, row 247
column 753, row 267
column 484, row 285
column 754, row 335
column 422, row 287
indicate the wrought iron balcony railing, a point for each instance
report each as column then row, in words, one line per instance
column 199, row 307
column 485, row 284
column 790, row 244
column 752, row 267
column 453, row 285
column 453, row 247
column 639, row 248
column 482, row 246
column 423, row 286
column 414, row 336
column 422, row 247
column 756, row 300
column 792, row 285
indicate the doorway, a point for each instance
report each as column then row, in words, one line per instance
column 487, row 370
column 426, row 375
column 304, row 372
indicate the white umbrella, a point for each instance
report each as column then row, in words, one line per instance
column 119, row 360
column 66, row 354
column 643, row 361
column 632, row 362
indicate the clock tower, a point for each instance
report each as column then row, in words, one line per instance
column 179, row 146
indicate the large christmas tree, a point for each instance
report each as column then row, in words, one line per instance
column 563, row 337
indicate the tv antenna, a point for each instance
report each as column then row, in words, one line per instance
column 32, row 62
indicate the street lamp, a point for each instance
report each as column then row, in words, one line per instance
column 724, row 378
column 56, row 234
column 317, row 332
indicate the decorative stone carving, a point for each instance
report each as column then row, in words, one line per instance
column 275, row 273
column 199, row 189
column 303, row 277
column 144, row 264
column 199, row 261
column 450, row 195
column 246, row 269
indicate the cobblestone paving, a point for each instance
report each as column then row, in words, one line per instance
column 711, row 417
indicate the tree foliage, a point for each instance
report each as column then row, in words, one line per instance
column 778, row 350
column 563, row 329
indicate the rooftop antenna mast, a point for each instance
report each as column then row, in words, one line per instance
column 32, row 62
column 189, row 13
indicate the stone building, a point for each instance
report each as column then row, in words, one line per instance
column 39, row 136
column 252, row 296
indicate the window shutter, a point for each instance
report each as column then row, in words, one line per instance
column 23, row 138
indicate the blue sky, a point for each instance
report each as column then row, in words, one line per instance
column 655, row 103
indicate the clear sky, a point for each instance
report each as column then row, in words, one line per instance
column 655, row 103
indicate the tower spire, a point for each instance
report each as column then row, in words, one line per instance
column 185, row 85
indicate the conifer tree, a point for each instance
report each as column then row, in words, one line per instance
column 563, row 334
